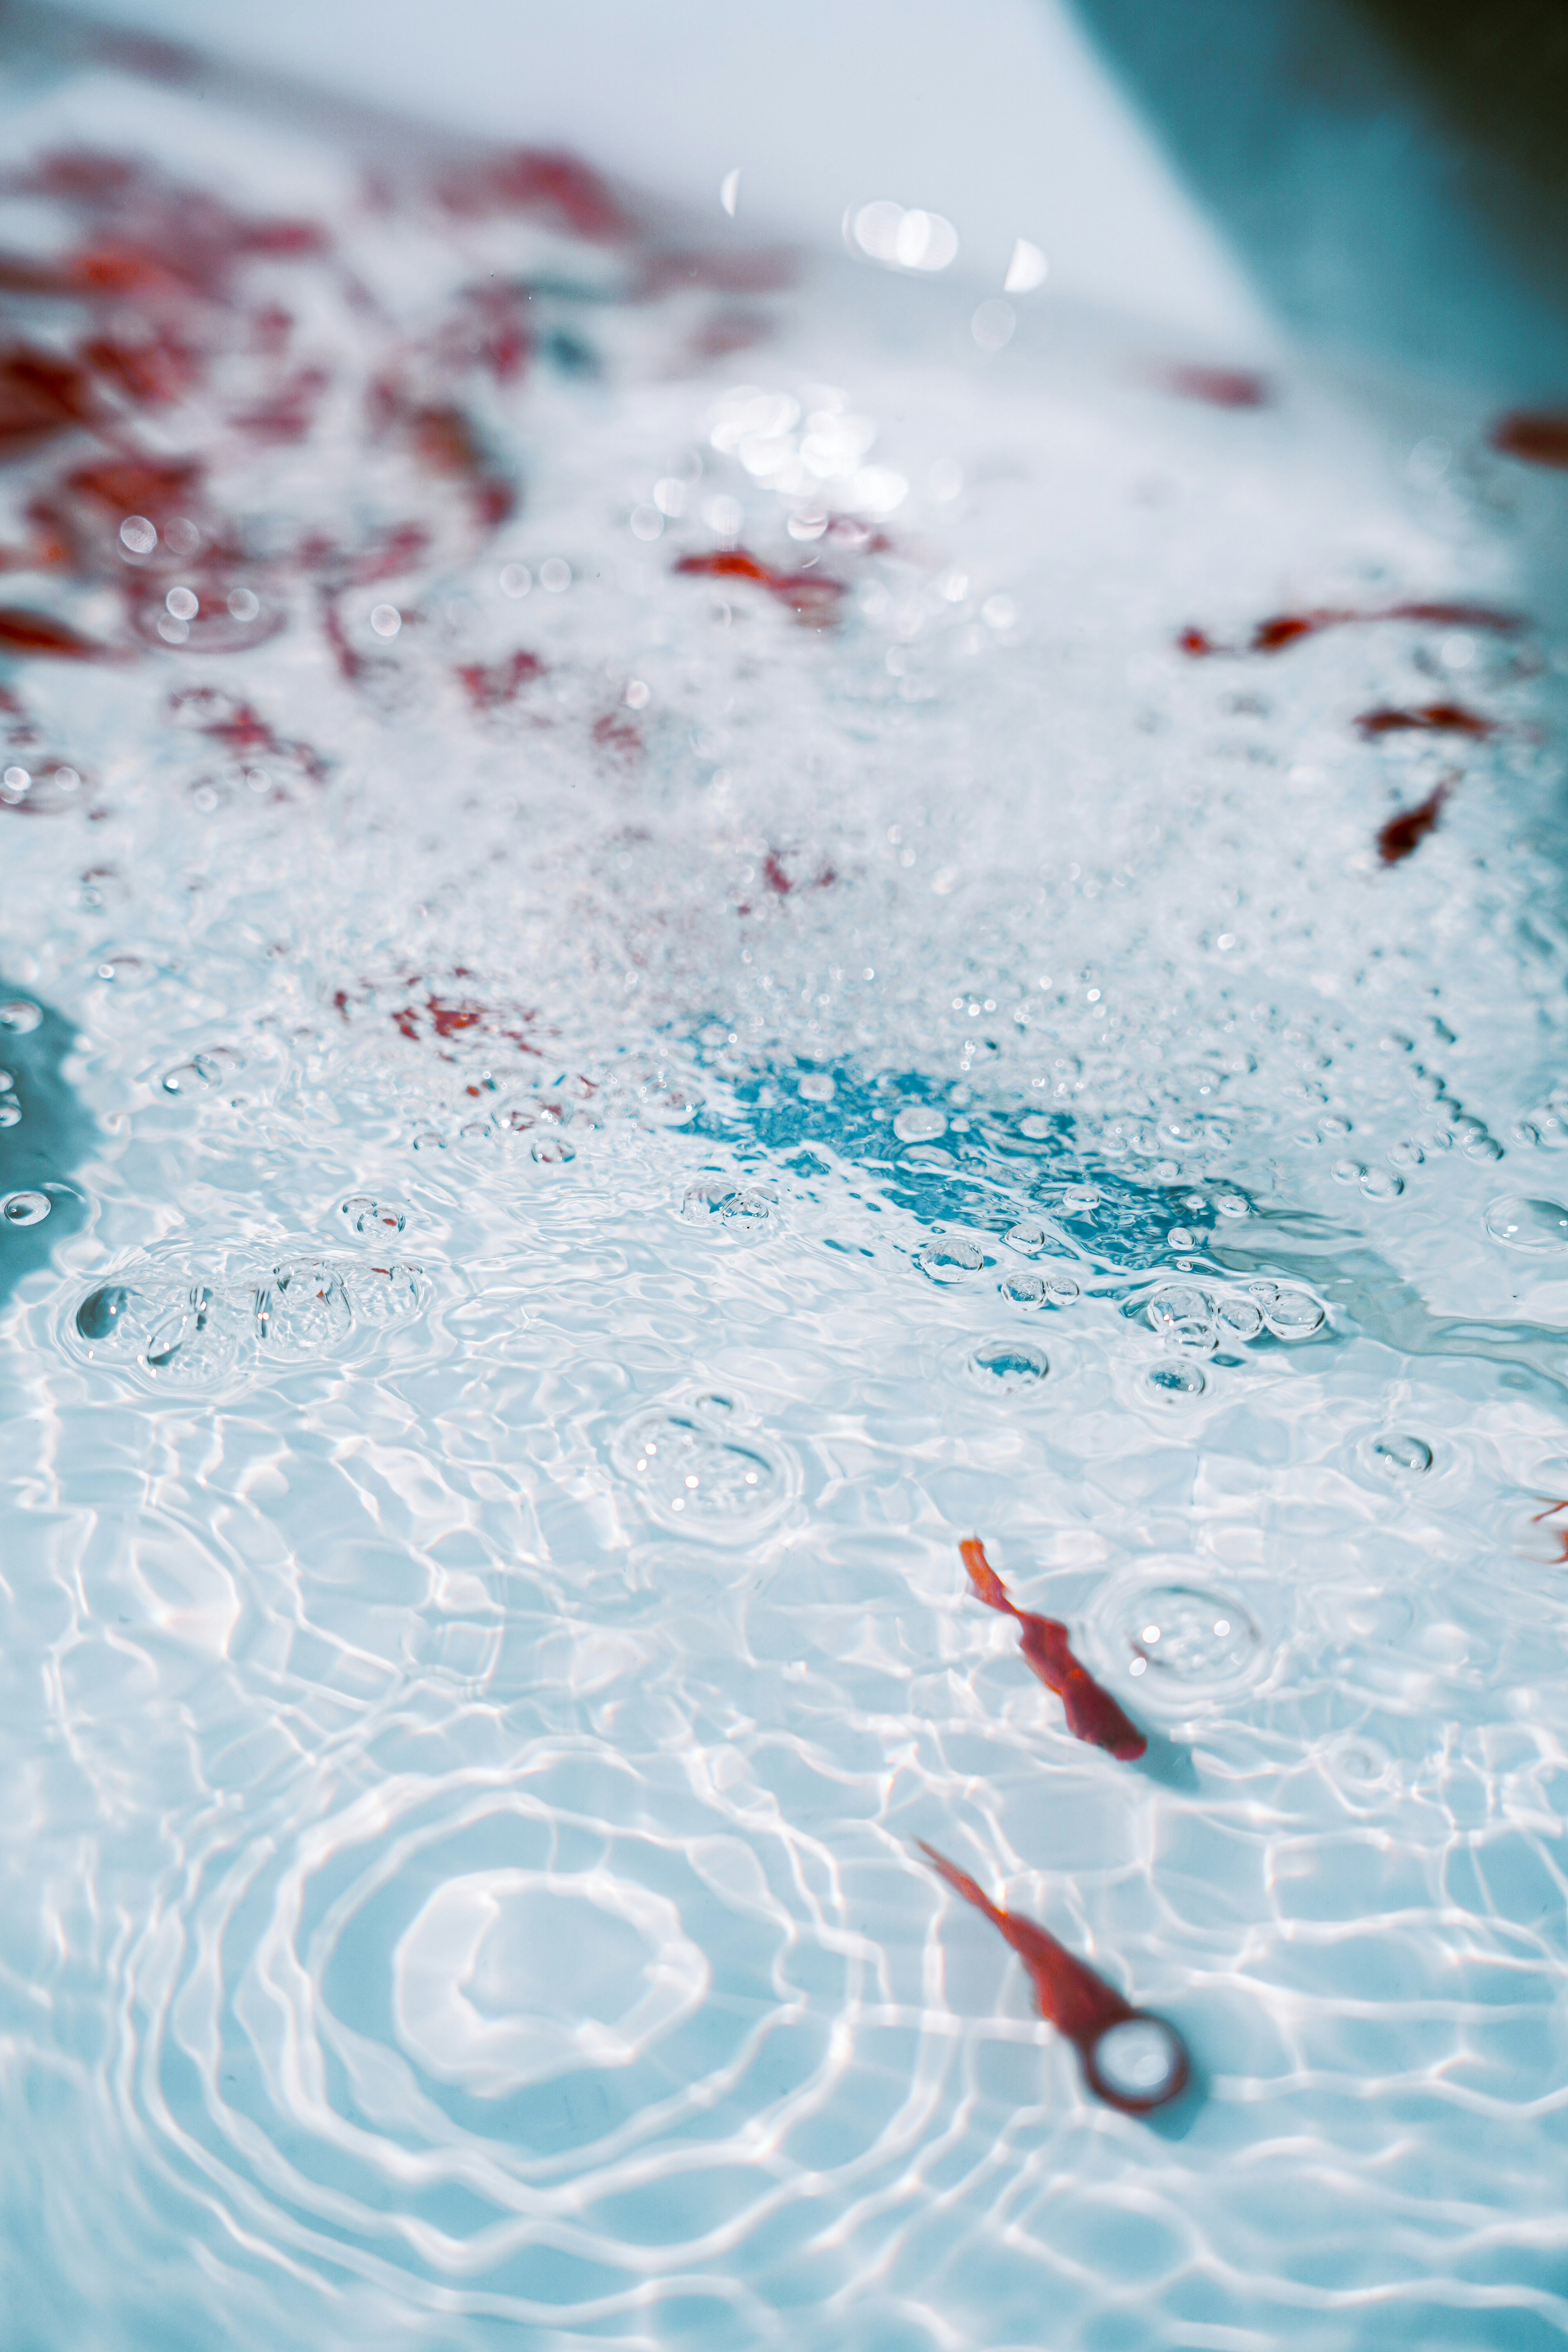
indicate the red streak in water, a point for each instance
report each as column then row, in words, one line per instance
column 617, row 736
column 1221, row 387
column 1092, row 1714
column 289, row 412
column 1067, row 1993
column 237, row 724
column 1538, row 436
column 812, row 596
column 490, row 686
column 41, row 395
column 1282, row 629
column 542, row 181
column 1409, row 829
column 1431, row 718
column 150, row 373
column 34, row 633
column 138, row 486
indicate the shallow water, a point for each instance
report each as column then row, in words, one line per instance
column 585, row 1178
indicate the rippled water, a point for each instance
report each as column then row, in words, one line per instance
column 581, row 1124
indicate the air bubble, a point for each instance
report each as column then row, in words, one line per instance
column 138, row 536
column 1399, row 1454
column 919, row 1123
column 195, row 1341
column 1538, row 1226
column 1290, row 1313
column 1381, row 1183
column 106, row 1313
column 302, row 1310
column 1027, row 1239
column 19, row 1015
column 1190, row 1638
column 816, row 1086
column 373, row 1219
column 950, row 1257
column 1009, row 1364
column 1183, row 1318
column 1172, row 1383
column 695, row 1473
column 1237, row 1318
column 1138, row 2063
column 26, row 1208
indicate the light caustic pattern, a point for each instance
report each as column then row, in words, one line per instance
column 717, row 939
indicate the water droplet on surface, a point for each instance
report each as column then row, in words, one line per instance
column 26, row 1208
column 1009, row 1364
column 108, row 1312
column 1077, row 1199
column 1538, row 1225
column 1027, row 1238
column 19, row 1015
column 1483, row 1148
column 949, row 1257
column 1061, row 1290
column 1171, row 1383
column 1381, row 1183
column 816, row 1086
column 1139, row 2062
column 696, row 1474
column 919, row 1123
column 1400, row 1455
column 1023, row 1289
column 552, row 1150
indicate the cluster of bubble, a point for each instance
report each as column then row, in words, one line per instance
column 184, row 1322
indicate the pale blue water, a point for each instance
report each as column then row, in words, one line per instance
column 577, row 1208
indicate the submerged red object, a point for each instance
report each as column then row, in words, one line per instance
column 812, row 596
column 1131, row 2059
column 1539, row 437
column 1427, row 718
column 1409, row 829
column 1091, row 1711
column 1282, row 629
column 25, row 632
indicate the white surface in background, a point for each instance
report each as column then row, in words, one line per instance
column 998, row 118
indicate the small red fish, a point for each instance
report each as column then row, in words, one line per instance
column 1092, row 1714
column 812, row 596
column 1282, row 629
column 1409, row 829
column 1552, row 1511
column 38, row 635
column 1136, row 2071
column 1539, row 437
column 1430, row 718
